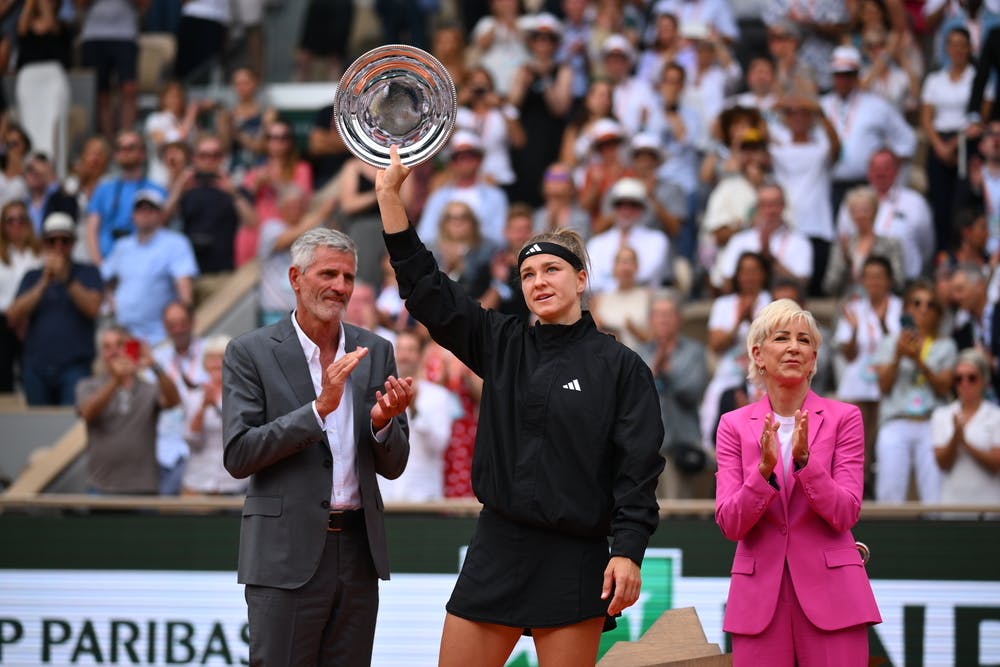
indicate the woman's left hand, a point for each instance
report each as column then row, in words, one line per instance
column 390, row 179
column 800, row 438
column 622, row 576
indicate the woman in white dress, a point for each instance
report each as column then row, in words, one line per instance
column 728, row 323
column 205, row 473
column 865, row 320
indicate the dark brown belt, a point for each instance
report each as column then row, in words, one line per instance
column 341, row 520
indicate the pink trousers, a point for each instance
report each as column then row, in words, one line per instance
column 791, row 640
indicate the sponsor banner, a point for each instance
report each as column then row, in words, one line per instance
column 96, row 617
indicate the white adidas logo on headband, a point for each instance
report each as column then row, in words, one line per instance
column 533, row 249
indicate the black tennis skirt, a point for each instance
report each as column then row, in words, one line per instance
column 529, row 577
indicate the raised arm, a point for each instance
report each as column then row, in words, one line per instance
column 388, row 185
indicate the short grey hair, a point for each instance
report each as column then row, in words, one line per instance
column 215, row 345
column 670, row 295
column 773, row 315
column 971, row 272
column 304, row 248
column 975, row 358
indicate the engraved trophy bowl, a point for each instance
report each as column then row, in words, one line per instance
column 395, row 94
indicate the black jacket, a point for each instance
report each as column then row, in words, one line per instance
column 965, row 337
column 989, row 62
column 569, row 422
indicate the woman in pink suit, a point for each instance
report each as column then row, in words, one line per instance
column 791, row 469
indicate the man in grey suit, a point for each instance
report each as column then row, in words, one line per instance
column 312, row 410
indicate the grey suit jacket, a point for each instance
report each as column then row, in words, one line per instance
column 272, row 436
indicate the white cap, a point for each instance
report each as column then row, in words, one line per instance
column 647, row 141
column 628, row 189
column 150, row 196
column 845, row 59
column 57, row 223
column 545, row 22
column 464, row 140
column 618, row 44
column 605, row 129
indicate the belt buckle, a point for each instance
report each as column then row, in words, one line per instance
column 335, row 522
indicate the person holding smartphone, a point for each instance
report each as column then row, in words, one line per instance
column 211, row 209
column 120, row 410
column 914, row 369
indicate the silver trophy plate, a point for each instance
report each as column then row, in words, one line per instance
column 395, row 94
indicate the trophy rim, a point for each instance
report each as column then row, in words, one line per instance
column 381, row 160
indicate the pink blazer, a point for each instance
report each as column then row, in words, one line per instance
column 807, row 524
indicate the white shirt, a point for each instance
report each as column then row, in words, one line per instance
column 788, row 247
column 707, row 91
column 169, row 127
column 680, row 155
column 507, row 52
column 786, row 426
column 12, row 188
column 858, row 381
column 893, row 86
column 21, row 261
column 492, row 130
column 204, row 471
column 731, row 365
column 803, row 171
column 635, row 104
column 765, row 104
column 716, row 13
column 949, row 98
column 967, row 481
column 903, row 214
column 212, row 10
column 487, row 201
column 430, row 418
column 171, row 445
column 652, row 247
column 338, row 425
column 865, row 122
column 730, row 204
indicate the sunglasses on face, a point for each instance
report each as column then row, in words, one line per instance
column 961, row 378
column 17, row 219
column 58, row 241
column 923, row 303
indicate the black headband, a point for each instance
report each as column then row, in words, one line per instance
column 544, row 247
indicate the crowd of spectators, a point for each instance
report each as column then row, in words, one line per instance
column 727, row 153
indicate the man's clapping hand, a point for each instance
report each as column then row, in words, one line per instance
column 399, row 393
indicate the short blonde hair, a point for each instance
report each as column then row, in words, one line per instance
column 862, row 194
column 772, row 316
